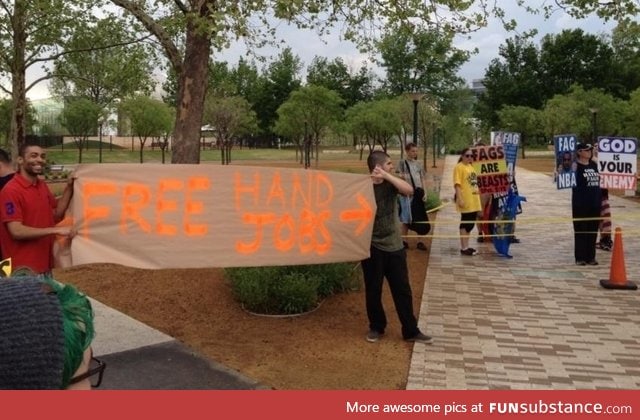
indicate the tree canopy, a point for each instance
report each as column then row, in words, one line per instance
column 100, row 71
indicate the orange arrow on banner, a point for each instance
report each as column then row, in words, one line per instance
column 363, row 214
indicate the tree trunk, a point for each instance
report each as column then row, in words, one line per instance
column 19, row 89
column 192, row 88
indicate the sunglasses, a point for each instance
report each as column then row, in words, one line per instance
column 468, row 155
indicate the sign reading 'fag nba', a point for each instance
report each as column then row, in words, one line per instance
column 190, row 216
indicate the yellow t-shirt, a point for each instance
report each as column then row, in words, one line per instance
column 465, row 176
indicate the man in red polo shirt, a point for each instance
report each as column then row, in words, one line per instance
column 29, row 212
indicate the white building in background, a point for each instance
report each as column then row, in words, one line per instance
column 477, row 86
column 47, row 113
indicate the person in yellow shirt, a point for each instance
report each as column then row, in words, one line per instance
column 467, row 198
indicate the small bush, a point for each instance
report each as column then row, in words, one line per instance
column 432, row 201
column 289, row 289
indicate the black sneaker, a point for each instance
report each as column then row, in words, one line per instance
column 605, row 245
column 373, row 336
column 420, row 338
column 514, row 240
column 581, row 263
column 421, row 246
column 592, row 262
column 468, row 251
column 480, row 239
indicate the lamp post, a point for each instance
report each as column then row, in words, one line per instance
column 434, row 143
column 100, row 122
column 415, row 98
column 594, row 116
column 307, row 146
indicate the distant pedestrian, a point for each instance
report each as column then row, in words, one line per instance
column 388, row 258
column 412, row 171
column 46, row 330
column 586, row 203
column 467, row 198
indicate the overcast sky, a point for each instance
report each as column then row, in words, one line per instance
column 307, row 45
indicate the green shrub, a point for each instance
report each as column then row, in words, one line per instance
column 294, row 293
column 289, row 289
column 433, row 200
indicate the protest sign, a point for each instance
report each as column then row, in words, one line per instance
column 161, row 216
column 618, row 162
column 491, row 169
column 565, row 146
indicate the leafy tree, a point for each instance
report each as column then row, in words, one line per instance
column 246, row 80
column 220, row 83
column 80, row 118
column 524, row 120
column 417, row 60
column 103, row 74
column 574, row 57
column 429, row 119
column 314, row 107
column 572, row 113
column 336, row 76
column 149, row 118
column 204, row 25
column 170, row 88
column 278, row 81
column 6, row 109
column 514, row 79
column 30, row 34
column 374, row 122
column 231, row 117
column 619, row 10
column 632, row 115
column 625, row 41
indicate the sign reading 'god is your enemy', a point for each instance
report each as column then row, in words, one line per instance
column 618, row 162
column 188, row 216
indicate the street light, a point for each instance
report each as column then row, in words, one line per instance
column 307, row 146
column 594, row 115
column 433, row 142
column 415, row 97
column 100, row 122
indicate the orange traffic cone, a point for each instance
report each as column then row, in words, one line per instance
column 617, row 273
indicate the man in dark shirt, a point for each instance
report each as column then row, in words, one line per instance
column 388, row 257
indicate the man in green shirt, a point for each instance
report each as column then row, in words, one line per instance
column 388, row 257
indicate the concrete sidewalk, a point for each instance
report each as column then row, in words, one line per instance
column 140, row 357
column 536, row 321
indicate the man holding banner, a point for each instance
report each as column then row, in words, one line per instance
column 388, row 257
column 29, row 212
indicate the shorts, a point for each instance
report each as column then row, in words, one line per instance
column 405, row 209
column 468, row 220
